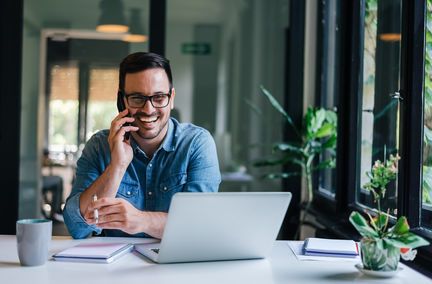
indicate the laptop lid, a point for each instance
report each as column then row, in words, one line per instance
column 222, row 226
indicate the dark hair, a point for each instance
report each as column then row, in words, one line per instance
column 140, row 61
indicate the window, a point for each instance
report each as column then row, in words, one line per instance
column 380, row 93
column 63, row 107
column 328, row 71
column 426, row 219
column 102, row 98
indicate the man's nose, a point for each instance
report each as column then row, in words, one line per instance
column 148, row 107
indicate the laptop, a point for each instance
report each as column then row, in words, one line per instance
column 219, row 226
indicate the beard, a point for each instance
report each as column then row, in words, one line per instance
column 151, row 130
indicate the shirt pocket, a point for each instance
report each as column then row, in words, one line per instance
column 127, row 190
column 171, row 185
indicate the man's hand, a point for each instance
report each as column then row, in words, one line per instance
column 121, row 151
column 117, row 213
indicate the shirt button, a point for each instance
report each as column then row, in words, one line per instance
column 165, row 188
column 150, row 165
column 128, row 193
column 150, row 193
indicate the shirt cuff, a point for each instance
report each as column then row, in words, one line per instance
column 75, row 222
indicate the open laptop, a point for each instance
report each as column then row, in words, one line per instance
column 219, row 226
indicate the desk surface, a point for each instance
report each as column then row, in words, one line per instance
column 281, row 267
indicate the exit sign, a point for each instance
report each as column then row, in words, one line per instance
column 196, row 48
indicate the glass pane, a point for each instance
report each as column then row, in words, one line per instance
column 63, row 41
column 63, row 108
column 219, row 60
column 380, row 109
column 427, row 141
column 102, row 99
column 329, row 91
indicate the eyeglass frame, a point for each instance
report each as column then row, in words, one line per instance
column 148, row 98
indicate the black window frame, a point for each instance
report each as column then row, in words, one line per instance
column 349, row 126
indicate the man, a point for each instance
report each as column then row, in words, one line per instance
column 134, row 177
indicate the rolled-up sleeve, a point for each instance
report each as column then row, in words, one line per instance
column 88, row 170
column 203, row 173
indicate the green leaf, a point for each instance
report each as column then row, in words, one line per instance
column 254, row 107
column 331, row 117
column 279, row 108
column 361, row 225
column 288, row 147
column 401, row 227
column 382, row 220
column 325, row 130
column 408, row 240
column 330, row 143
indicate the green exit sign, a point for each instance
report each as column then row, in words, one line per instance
column 196, row 48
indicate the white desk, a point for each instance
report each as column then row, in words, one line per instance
column 281, row 267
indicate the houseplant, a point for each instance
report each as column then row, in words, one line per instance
column 381, row 246
column 317, row 136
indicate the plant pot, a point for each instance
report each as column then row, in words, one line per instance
column 378, row 256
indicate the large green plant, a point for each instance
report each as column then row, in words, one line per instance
column 318, row 135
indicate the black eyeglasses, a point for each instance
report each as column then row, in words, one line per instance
column 157, row 101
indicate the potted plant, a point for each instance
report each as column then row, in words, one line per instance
column 318, row 135
column 381, row 245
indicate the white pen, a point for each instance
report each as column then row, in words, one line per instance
column 95, row 212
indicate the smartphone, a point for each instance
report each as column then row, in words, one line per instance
column 121, row 107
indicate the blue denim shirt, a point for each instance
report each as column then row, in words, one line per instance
column 186, row 161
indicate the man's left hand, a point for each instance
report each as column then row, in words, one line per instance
column 116, row 213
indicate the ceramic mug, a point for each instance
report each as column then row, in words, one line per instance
column 33, row 241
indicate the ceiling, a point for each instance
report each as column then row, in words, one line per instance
column 83, row 14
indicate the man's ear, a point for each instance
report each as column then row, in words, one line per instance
column 172, row 98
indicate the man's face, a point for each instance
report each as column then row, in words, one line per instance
column 152, row 122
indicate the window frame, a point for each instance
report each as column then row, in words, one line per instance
column 349, row 126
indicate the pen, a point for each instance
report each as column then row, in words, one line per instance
column 95, row 212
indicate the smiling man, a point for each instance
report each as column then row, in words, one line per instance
column 136, row 166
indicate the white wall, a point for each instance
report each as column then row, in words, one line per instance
column 182, row 68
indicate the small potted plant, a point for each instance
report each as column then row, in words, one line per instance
column 381, row 246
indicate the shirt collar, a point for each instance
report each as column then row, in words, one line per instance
column 168, row 143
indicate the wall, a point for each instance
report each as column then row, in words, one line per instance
column 30, row 152
column 182, row 67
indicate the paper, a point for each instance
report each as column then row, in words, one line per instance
column 297, row 249
column 330, row 247
column 94, row 252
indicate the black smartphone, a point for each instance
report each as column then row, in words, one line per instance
column 121, row 107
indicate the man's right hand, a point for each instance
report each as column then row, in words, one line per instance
column 121, row 151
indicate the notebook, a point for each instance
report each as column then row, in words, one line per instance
column 94, row 252
column 219, row 226
column 330, row 247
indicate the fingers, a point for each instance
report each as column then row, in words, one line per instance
column 119, row 126
column 106, row 206
column 118, row 123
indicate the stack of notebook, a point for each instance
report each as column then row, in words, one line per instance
column 330, row 247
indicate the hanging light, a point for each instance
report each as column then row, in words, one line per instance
column 136, row 31
column 390, row 37
column 112, row 19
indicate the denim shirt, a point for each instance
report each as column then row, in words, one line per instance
column 186, row 161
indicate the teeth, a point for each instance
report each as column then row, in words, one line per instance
column 149, row 119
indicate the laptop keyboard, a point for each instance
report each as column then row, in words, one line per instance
column 155, row 250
